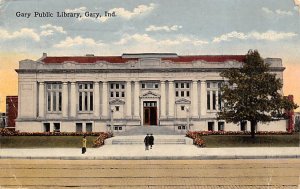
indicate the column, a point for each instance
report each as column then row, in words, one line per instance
column 42, row 99
column 128, row 99
column 194, row 98
column 136, row 99
column 96, row 99
column 104, row 99
column 203, row 97
column 163, row 99
column 73, row 100
column 65, row 99
column 171, row 99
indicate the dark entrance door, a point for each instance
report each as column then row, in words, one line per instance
column 150, row 113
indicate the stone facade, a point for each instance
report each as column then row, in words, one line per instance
column 98, row 93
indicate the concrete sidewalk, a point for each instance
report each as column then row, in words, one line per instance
column 135, row 152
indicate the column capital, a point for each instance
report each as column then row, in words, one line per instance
column 171, row 81
column 41, row 82
column 72, row 83
column 136, row 81
column 96, row 82
column 162, row 82
column 203, row 81
column 104, row 82
column 65, row 83
column 195, row 81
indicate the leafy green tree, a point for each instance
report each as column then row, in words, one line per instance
column 252, row 93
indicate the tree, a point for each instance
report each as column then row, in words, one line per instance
column 252, row 93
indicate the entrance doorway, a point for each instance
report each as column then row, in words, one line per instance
column 150, row 113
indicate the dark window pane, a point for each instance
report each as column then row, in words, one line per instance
column 187, row 85
column 182, row 85
column 111, row 94
column 208, row 100
column 123, row 86
column 49, row 101
column 176, row 93
column 91, row 101
column 182, row 93
column 54, row 102
column 85, row 101
column 187, row 93
column 214, row 100
column 111, row 86
column 59, row 101
column 117, row 94
column 123, row 94
column 117, row 86
column 176, row 85
column 80, row 101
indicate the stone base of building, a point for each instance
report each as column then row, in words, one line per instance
column 123, row 125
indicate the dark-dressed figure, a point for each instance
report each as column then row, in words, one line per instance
column 151, row 140
column 84, row 144
column 146, row 141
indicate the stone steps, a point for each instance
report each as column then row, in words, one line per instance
column 158, row 140
column 155, row 130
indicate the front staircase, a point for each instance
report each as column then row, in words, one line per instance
column 155, row 130
column 162, row 136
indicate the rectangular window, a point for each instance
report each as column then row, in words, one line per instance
column 214, row 100
column 210, row 126
column 56, row 127
column 86, row 97
column 117, row 91
column 187, row 85
column 176, row 85
column 176, row 93
column 208, row 100
column 243, row 125
column 89, row 127
column 182, row 85
column 46, row 127
column 187, row 93
column 117, row 108
column 182, row 93
column 220, row 100
column 54, row 97
column 182, row 108
column 221, row 126
column 78, row 127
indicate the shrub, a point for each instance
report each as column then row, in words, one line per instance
column 101, row 138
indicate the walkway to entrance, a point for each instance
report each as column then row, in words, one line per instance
column 155, row 130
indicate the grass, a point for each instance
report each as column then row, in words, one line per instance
column 219, row 141
column 44, row 141
column 212, row 141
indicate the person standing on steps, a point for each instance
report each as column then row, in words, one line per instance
column 146, row 141
column 151, row 140
column 84, row 140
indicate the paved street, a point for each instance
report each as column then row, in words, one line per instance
column 131, row 174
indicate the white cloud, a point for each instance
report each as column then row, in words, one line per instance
column 284, row 13
column 77, row 41
column 138, row 11
column 271, row 35
column 277, row 11
column 49, row 29
column 268, row 36
column 163, row 28
column 146, row 39
column 22, row 33
column 229, row 36
column 267, row 10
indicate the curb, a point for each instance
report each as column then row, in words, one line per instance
column 156, row 157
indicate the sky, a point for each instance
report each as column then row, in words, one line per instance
column 185, row 27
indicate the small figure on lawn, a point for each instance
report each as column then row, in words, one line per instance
column 151, row 140
column 84, row 140
column 146, row 141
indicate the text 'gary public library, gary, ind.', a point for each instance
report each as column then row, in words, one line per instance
column 64, row 14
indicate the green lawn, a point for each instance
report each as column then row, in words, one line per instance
column 44, row 141
column 217, row 141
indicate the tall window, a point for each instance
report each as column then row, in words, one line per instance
column 117, row 90
column 85, row 97
column 182, row 89
column 214, row 96
column 54, row 97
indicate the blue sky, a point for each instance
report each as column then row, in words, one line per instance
column 186, row 27
column 181, row 26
